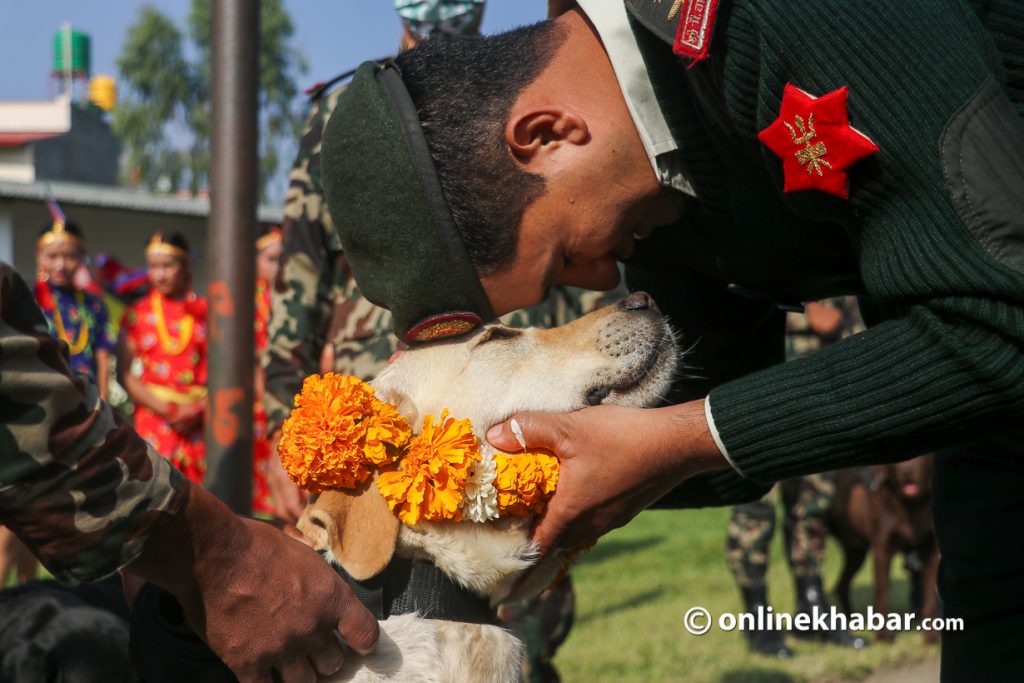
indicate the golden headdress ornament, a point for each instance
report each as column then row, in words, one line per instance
column 157, row 246
column 57, row 232
column 273, row 235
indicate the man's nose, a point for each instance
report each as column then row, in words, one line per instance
column 638, row 301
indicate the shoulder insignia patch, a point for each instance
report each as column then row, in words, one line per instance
column 815, row 141
column 696, row 24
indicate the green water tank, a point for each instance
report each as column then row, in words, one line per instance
column 72, row 47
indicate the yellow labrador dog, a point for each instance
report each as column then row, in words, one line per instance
column 623, row 354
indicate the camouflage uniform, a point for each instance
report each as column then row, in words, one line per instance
column 751, row 527
column 77, row 485
column 316, row 302
column 805, row 499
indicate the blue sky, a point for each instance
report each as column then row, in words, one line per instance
column 334, row 35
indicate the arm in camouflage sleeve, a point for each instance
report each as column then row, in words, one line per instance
column 77, row 485
column 88, row 496
column 301, row 301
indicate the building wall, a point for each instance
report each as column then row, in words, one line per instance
column 120, row 233
column 88, row 153
column 16, row 164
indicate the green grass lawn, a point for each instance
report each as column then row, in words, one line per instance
column 634, row 587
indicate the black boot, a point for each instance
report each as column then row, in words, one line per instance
column 810, row 594
column 771, row 642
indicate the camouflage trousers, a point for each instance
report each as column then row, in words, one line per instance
column 805, row 502
column 542, row 624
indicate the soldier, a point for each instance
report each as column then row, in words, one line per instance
column 805, row 501
column 320, row 322
column 89, row 497
column 741, row 155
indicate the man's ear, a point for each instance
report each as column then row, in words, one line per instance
column 534, row 133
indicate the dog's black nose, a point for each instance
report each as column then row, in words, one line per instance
column 638, row 301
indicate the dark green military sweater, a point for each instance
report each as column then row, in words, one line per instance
column 931, row 237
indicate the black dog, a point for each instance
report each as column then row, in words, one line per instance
column 51, row 633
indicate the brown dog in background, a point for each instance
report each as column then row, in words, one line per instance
column 887, row 509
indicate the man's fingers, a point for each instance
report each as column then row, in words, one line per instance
column 548, row 531
column 328, row 660
column 298, row 671
column 356, row 624
column 253, row 677
column 527, row 430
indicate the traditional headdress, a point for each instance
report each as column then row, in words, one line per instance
column 273, row 235
column 157, row 245
column 58, row 231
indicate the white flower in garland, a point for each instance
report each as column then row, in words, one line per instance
column 480, row 503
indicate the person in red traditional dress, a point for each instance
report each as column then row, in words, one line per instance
column 164, row 333
column 268, row 256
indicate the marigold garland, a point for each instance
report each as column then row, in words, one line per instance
column 337, row 430
column 430, row 479
column 524, row 481
column 340, row 431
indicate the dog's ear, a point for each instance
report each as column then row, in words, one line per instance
column 406, row 406
column 356, row 526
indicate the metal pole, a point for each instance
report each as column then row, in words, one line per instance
column 231, row 275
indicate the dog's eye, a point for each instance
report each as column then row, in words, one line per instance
column 496, row 333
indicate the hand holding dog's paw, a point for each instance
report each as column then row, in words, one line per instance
column 251, row 619
column 262, row 600
column 615, row 462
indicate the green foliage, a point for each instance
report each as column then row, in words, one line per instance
column 163, row 118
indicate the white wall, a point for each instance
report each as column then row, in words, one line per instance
column 18, row 164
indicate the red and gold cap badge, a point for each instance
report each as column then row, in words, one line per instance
column 815, row 141
column 442, row 326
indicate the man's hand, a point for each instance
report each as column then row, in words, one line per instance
column 824, row 320
column 615, row 462
column 264, row 602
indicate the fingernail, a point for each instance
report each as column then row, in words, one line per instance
column 494, row 433
column 363, row 652
column 517, row 431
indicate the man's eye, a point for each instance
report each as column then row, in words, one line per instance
column 496, row 333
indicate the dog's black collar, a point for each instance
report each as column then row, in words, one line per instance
column 408, row 585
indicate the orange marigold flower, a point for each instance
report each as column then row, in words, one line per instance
column 336, row 431
column 387, row 433
column 524, row 481
column 430, row 479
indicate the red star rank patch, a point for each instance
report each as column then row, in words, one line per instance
column 815, row 141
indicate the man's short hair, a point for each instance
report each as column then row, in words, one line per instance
column 464, row 88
